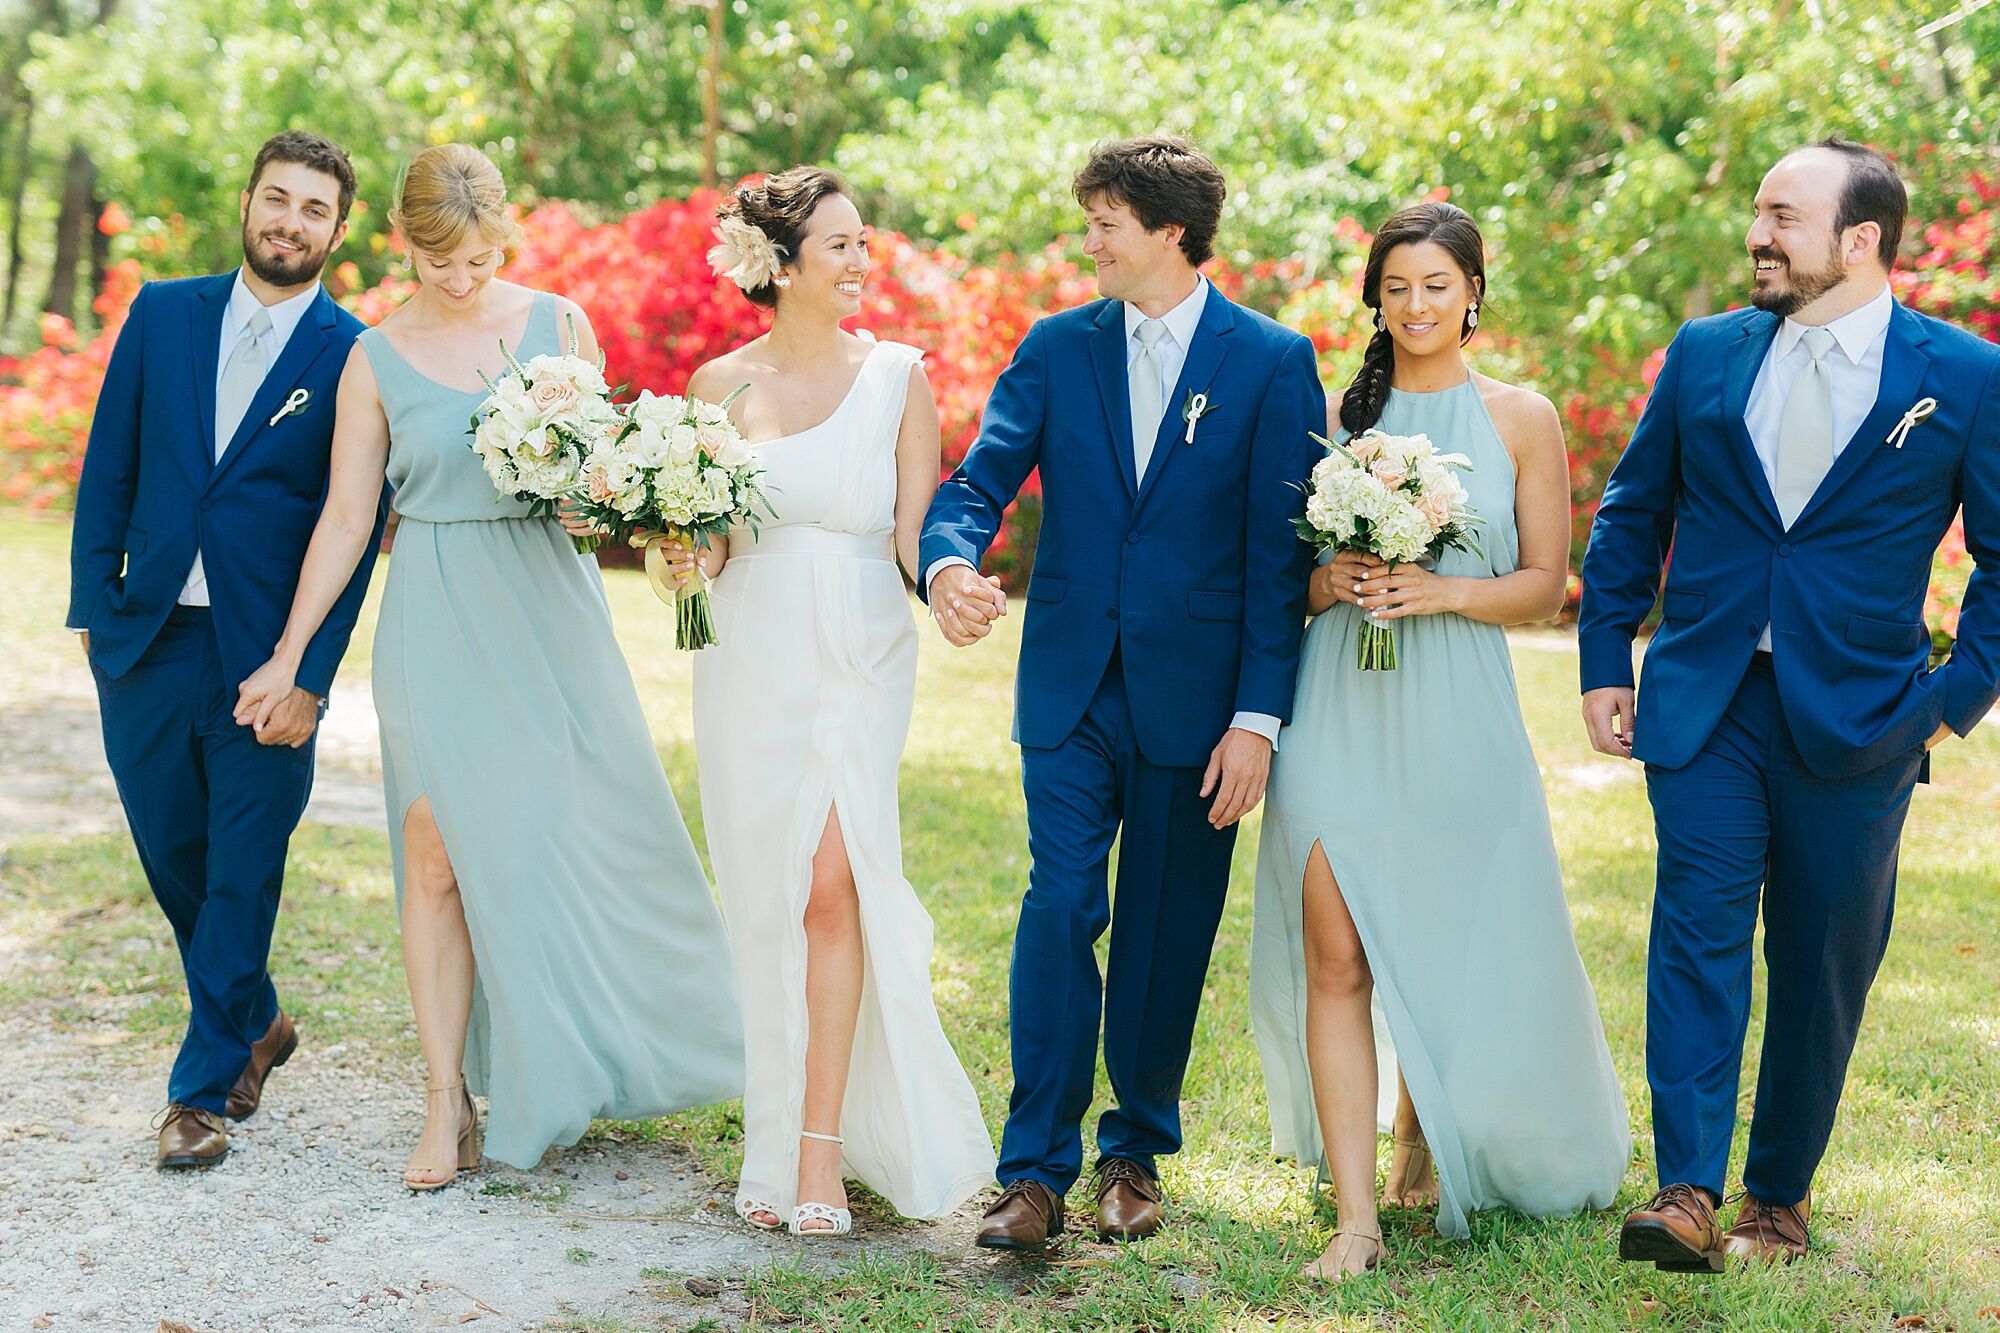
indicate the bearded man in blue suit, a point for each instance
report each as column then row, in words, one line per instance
column 205, row 472
column 1801, row 459
column 1172, row 429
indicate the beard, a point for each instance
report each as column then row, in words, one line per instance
column 283, row 270
column 1802, row 286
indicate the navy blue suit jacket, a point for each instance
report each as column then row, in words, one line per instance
column 1843, row 589
column 153, row 492
column 1195, row 574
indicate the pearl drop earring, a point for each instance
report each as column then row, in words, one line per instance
column 1472, row 317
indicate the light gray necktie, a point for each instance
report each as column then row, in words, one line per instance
column 1805, row 432
column 1147, row 396
column 241, row 378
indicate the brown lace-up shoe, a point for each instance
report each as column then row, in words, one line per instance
column 1772, row 1232
column 1026, row 1216
column 1129, row 1204
column 1676, row 1231
column 191, row 1137
column 266, row 1053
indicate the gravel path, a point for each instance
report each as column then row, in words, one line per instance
column 304, row 1226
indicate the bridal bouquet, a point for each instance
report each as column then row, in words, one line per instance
column 672, row 467
column 538, row 426
column 1391, row 496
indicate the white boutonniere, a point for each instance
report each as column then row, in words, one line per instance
column 293, row 406
column 1193, row 410
column 1920, row 412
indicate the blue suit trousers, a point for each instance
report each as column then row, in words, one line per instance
column 212, row 813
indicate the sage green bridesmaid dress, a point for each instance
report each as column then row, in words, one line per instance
column 1420, row 785
column 603, row 980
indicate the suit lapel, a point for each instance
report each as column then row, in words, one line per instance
column 1107, row 357
column 1904, row 362
column 1204, row 359
column 308, row 340
column 1744, row 357
column 205, row 329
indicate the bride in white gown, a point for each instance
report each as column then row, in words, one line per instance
column 801, row 711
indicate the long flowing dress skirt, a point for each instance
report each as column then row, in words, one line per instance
column 603, row 983
column 802, row 708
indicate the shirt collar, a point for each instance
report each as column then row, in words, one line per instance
column 1181, row 321
column 1854, row 332
column 285, row 315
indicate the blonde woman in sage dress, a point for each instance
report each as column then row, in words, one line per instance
column 1406, row 845
column 564, row 954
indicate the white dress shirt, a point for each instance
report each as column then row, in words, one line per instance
column 1855, row 367
column 1170, row 353
column 285, row 317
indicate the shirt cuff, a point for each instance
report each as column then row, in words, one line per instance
column 1263, row 724
column 77, row 629
column 939, row 566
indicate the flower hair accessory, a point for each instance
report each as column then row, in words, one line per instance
column 744, row 254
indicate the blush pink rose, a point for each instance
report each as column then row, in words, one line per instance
column 1387, row 471
column 1436, row 509
column 552, row 397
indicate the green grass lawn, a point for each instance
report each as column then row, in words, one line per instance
column 1908, row 1220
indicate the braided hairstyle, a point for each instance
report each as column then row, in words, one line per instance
column 781, row 207
column 1447, row 225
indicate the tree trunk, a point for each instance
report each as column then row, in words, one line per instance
column 16, row 205
column 79, row 183
column 711, row 99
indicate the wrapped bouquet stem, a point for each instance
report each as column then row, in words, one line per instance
column 1395, row 497
column 694, row 618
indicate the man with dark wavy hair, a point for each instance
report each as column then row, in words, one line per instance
column 1170, row 426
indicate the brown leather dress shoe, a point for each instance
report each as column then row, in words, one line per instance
column 1025, row 1217
column 1129, row 1204
column 1676, row 1231
column 191, row 1137
column 1772, row 1232
column 266, row 1053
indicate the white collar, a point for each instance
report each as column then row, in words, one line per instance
column 1855, row 332
column 285, row 315
column 1181, row 321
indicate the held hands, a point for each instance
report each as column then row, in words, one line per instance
column 965, row 604
column 278, row 711
column 1608, row 716
column 1237, row 771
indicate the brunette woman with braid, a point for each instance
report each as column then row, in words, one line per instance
column 1406, row 848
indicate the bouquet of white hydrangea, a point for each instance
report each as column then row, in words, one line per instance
column 537, row 425
column 1392, row 496
column 677, row 468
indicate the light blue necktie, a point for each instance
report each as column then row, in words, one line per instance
column 241, row 378
column 1148, row 398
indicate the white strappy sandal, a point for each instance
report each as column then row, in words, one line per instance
column 747, row 1209
column 839, row 1220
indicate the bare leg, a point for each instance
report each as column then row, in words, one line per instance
column 1340, row 1051
column 437, row 958
column 833, row 1006
column 1405, row 1187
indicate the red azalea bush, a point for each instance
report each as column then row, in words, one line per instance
column 659, row 312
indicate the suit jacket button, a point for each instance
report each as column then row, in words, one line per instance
column 1784, row 548
column 1131, row 539
column 207, row 505
column 1111, row 613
